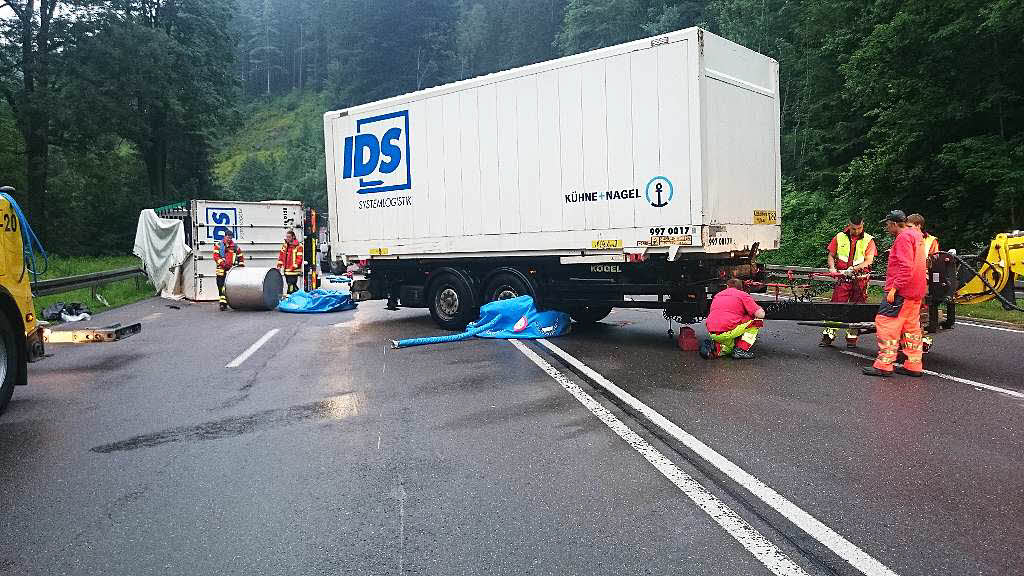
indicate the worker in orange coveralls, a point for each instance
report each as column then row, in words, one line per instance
column 931, row 246
column 899, row 316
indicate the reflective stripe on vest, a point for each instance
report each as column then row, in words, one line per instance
column 843, row 248
column 928, row 244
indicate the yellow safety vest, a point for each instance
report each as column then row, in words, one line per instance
column 928, row 244
column 860, row 250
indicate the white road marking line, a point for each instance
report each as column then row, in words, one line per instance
column 763, row 549
column 1013, row 393
column 845, row 549
column 252, row 349
column 999, row 328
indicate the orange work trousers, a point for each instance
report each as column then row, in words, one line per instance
column 900, row 332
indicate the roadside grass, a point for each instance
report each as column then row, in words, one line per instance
column 62, row 266
column 991, row 310
column 116, row 294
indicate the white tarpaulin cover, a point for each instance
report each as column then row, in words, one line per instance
column 160, row 243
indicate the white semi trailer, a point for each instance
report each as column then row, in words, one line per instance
column 648, row 168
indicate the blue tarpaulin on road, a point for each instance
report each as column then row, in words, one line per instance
column 317, row 302
column 519, row 318
column 512, row 318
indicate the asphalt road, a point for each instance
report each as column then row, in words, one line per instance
column 323, row 452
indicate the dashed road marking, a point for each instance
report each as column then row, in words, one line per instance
column 1013, row 393
column 763, row 549
column 999, row 328
column 252, row 349
column 845, row 549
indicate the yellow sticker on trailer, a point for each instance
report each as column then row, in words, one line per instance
column 378, row 251
column 605, row 244
column 766, row 217
column 686, row 240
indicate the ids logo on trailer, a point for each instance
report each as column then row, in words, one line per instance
column 378, row 154
column 219, row 221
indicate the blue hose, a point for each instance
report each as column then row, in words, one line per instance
column 30, row 243
column 450, row 338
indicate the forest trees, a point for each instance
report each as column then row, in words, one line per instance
column 113, row 105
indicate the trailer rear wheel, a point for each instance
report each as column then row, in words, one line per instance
column 507, row 285
column 8, row 361
column 452, row 302
column 590, row 315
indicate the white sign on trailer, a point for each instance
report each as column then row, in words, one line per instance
column 660, row 145
column 258, row 228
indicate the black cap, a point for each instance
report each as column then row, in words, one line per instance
column 894, row 216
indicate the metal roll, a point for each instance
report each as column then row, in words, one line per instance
column 249, row 288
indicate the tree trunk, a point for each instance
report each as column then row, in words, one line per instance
column 155, row 157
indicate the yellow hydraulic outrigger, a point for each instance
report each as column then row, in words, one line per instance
column 1004, row 262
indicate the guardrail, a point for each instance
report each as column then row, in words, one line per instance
column 804, row 271
column 69, row 283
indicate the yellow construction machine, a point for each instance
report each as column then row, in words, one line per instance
column 22, row 339
column 996, row 276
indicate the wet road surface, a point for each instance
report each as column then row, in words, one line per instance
column 323, row 452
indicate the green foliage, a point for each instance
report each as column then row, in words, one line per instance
column 915, row 104
column 278, row 152
column 115, row 293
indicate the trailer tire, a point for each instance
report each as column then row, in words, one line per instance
column 8, row 361
column 508, row 284
column 590, row 315
column 452, row 302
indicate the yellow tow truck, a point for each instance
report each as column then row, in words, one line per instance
column 22, row 339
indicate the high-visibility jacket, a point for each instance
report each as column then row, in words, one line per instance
column 908, row 268
column 289, row 258
column 931, row 245
column 227, row 254
column 860, row 249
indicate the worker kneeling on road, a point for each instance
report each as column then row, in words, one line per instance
column 899, row 316
column 289, row 261
column 851, row 252
column 733, row 323
column 227, row 255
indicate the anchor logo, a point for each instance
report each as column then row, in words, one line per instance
column 659, row 183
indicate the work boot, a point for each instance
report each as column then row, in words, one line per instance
column 872, row 371
column 223, row 306
column 825, row 341
column 851, row 343
column 901, row 357
column 705, row 348
column 905, row 372
column 742, row 354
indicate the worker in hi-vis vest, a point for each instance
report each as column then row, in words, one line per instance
column 851, row 252
column 290, row 261
column 227, row 255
